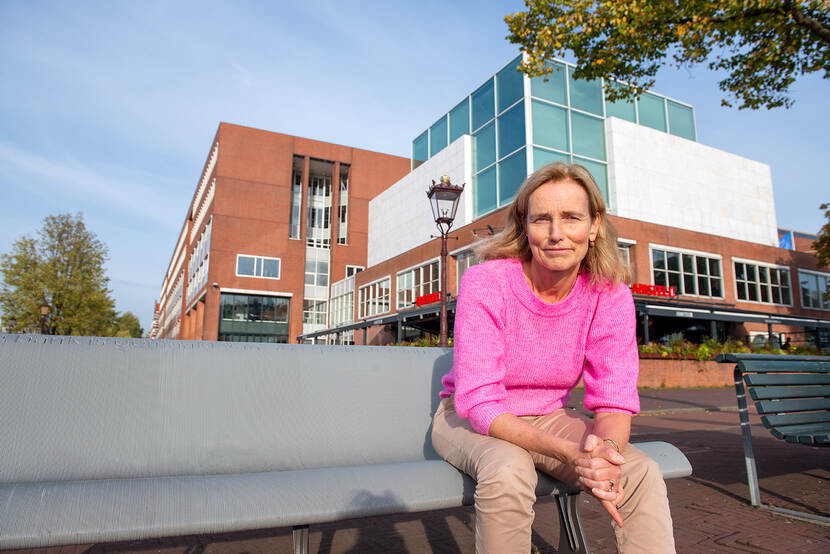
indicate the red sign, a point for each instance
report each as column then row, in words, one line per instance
column 653, row 290
column 428, row 298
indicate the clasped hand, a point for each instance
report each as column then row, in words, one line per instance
column 599, row 472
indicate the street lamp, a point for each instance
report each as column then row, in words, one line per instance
column 44, row 311
column 443, row 197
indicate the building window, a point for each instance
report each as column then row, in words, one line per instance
column 197, row 270
column 257, row 266
column 296, row 198
column 464, row 261
column 317, row 272
column 814, row 288
column 344, row 338
column 318, row 222
column 342, row 302
column 625, row 255
column 417, row 282
column 689, row 273
column 342, row 309
column 253, row 318
column 343, row 205
column 757, row 282
column 314, row 311
column 374, row 298
column 624, row 248
column 353, row 269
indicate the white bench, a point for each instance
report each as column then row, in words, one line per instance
column 126, row 439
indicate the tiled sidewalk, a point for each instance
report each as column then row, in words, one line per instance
column 711, row 509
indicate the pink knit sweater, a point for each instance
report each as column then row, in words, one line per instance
column 516, row 353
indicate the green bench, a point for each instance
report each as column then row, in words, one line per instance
column 792, row 396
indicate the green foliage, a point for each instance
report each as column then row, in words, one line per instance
column 127, row 325
column 683, row 349
column 764, row 45
column 64, row 268
column 427, row 341
column 822, row 245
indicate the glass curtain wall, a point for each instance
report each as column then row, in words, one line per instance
column 566, row 118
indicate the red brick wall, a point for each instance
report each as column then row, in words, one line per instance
column 251, row 212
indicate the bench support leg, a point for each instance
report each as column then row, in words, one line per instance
column 749, row 454
column 571, row 534
column 300, row 533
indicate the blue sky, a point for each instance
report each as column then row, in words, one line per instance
column 109, row 108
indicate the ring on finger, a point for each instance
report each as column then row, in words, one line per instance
column 611, row 486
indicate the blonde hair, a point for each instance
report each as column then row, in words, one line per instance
column 602, row 261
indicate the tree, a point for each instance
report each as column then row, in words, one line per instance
column 822, row 245
column 128, row 325
column 762, row 44
column 63, row 268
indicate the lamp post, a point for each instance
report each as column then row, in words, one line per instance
column 44, row 311
column 443, row 197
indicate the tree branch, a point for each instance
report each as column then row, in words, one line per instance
column 815, row 27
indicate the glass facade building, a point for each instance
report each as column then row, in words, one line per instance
column 519, row 124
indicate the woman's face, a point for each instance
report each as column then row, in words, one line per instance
column 559, row 225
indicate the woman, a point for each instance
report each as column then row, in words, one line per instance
column 547, row 306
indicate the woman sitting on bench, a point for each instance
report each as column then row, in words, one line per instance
column 546, row 306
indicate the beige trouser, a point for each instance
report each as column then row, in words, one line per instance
column 506, row 483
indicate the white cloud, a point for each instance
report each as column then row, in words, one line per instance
column 119, row 189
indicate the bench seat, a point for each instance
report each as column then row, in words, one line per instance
column 103, row 510
column 792, row 396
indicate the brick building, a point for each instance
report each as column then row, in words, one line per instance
column 273, row 221
column 697, row 225
column 278, row 219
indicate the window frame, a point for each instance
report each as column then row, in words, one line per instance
column 468, row 253
column 261, row 265
column 358, row 269
column 825, row 275
column 758, row 282
column 626, row 245
column 681, row 252
column 420, row 266
column 361, row 300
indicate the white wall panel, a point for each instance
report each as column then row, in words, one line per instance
column 400, row 218
column 660, row 178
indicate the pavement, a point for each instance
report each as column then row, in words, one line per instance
column 710, row 509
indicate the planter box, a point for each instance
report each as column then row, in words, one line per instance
column 674, row 373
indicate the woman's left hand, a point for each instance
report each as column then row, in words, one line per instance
column 599, row 473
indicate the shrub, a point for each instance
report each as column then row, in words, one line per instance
column 678, row 347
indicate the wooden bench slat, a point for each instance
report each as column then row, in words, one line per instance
column 786, row 366
column 782, row 406
column 806, row 429
column 772, row 392
column 761, row 379
column 795, row 419
column 813, row 440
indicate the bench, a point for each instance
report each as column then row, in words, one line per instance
column 127, row 439
column 792, row 396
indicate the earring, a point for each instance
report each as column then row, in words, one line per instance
column 591, row 243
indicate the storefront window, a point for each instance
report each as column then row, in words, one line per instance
column 253, row 318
